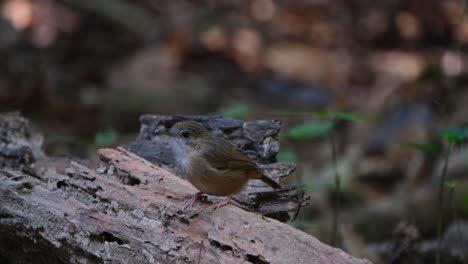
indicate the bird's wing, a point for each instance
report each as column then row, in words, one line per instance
column 229, row 157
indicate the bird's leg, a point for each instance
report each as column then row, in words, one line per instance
column 222, row 203
column 189, row 203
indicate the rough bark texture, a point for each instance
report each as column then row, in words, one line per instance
column 258, row 139
column 128, row 210
column 18, row 146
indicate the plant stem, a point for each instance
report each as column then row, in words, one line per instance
column 461, row 244
column 446, row 158
column 440, row 204
column 336, row 206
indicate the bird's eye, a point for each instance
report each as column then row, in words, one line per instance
column 185, row 133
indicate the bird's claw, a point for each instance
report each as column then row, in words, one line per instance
column 189, row 203
column 221, row 203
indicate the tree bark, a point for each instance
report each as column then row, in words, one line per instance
column 128, row 210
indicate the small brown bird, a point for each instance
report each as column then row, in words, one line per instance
column 212, row 164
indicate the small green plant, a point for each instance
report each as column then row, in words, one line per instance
column 310, row 131
column 429, row 148
column 105, row 138
column 238, row 111
column 287, row 156
column 450, row 184
column 452, row 136
column 343, row 116
column 455, row 135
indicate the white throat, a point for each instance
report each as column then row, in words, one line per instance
column 180, row 155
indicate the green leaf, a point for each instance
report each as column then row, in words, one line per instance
column 429, row 148
column 455, row 135
column 347, row 116
column 237, row 111
column 321, row 113
column 450, row 184
column 309, row 131
column 287, row 156
column 105, row 138
column 331, row 114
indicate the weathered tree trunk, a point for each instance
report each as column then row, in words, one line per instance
column 128, row 210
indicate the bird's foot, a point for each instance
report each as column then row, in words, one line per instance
column 220, row 204
column 189, row 203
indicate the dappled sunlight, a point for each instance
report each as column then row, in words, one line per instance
column 19, row 13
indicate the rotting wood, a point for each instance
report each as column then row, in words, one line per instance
column 98, row 215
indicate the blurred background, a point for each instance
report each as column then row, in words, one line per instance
column 374, row 92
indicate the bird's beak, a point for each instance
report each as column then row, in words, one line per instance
column 162, row 131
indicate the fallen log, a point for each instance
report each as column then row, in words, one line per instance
column 129, row 210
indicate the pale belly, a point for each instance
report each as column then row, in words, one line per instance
column 217, row 182
column 206, row 178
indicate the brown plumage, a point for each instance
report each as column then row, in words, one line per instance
column 212, row 164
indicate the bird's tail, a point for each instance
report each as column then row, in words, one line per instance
column 257, row 174
column 270, row 182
